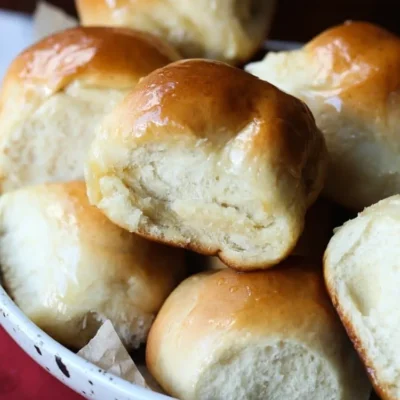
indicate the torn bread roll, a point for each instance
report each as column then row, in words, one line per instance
column 57, row 90
column 207, row 157
column 349, row 76
column 224, row 30
column 69, row 268
column 261, row 335
column 318, row 230
column 362, row 275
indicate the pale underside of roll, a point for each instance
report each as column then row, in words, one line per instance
column 362, row 275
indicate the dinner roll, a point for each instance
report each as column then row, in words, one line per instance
column 349, row 76
column 207, row 157
column 261, row 335
column 55, row 92
column 225, row 30
column 69, row 268
column 362, row 274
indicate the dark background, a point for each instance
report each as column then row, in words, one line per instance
column 297, row 20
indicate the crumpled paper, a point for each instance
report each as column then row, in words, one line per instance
column 107, row 352
column 49, row 19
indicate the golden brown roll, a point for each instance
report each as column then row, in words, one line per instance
column 55, row 92
column 204, row 156
column 362, row 275
column 69, row 268
column 225, row 30
column 261, row 335
column 349, row 76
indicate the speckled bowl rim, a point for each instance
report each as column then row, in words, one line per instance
column 26, row 333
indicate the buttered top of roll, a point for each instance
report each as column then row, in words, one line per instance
column 356, row 64
column 358, row 56
column 238, row 300
column 96, row 57
column 225, row 30
column 216, row 103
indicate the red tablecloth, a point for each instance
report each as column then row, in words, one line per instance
column 22, row 379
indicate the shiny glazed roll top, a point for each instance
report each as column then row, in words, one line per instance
column 56, row 91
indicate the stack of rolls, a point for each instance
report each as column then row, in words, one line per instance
column 117, row 157
column 349, row 76
column 206, row 157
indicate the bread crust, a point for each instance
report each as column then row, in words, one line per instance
column 351, row 331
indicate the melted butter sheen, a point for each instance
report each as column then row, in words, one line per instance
column 356, row 56
column 103, row 57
